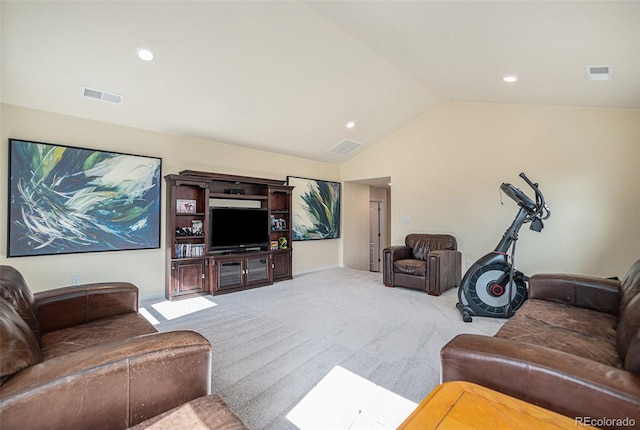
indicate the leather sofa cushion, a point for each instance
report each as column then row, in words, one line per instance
column 601, row 349
column 433, row 242
column 14, row 289
column 19, row 347
column 97, row 332
column 411, row 267
column 630, row 287
column 628, row 332
column 632, row 359
column 628, row 336
column 208, row 412
column 570, row 317
column 420, row 249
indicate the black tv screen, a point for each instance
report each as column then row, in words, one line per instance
column 232, row 228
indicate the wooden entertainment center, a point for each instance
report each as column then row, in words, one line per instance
column 192, row 267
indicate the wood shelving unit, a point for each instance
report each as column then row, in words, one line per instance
column 192, row 272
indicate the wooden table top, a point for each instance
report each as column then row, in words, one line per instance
column 462, row 405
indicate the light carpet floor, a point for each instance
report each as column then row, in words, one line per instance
column 273, row 345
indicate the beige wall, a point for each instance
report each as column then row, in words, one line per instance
column 447, row 165
column 144, row 268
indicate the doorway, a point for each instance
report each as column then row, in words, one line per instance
column 375, row 226
column 378, row 225
column 366, row 214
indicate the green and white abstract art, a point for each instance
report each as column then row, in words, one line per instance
column 316, row 209
column 64, row 199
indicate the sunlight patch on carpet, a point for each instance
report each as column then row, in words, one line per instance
column 147, row 315
column 344, row 400
column 179, row 308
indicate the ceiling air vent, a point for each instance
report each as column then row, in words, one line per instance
column 344, row 147
column 599, row 73
column 102, row 95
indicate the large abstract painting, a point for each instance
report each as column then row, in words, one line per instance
column 316, row 209
column 64, row 199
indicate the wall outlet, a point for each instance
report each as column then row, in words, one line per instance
column 75, row 280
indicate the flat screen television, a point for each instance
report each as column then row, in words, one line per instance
column 236, row 229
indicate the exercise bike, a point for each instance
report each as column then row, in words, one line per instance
column 492, row 287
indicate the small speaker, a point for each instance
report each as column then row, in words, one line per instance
column 236, row 191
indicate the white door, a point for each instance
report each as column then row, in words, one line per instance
column 374, row 236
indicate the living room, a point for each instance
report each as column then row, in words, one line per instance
column 445, row 156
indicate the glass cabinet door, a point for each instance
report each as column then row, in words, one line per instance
column 230, row 273
column 258, row 268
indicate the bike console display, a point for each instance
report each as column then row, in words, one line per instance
column 519, row 197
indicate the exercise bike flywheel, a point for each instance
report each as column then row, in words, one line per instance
column 487, row 291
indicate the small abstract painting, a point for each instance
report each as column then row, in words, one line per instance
column 64, row 199
column 316, row 209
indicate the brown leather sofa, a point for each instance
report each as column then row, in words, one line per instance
column 427, row 262
column 573, row 347
column 82, row 357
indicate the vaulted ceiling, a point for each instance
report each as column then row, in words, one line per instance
column 287, row 77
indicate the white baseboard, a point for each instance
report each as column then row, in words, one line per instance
column 316, row 269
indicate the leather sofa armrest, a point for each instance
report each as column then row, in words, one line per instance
column 598, row 294
column 399, row 252
column 570, row 385
column 113, row 385
column 389, row 256
column 444, row 269
column 79, row 304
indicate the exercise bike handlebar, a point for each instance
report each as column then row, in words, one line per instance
column 543, row 212
column 539, row 196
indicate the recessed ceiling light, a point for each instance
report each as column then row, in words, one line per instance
column 145, row 54
column 350, row 124
column 510, row 79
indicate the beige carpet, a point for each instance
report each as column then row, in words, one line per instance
column 273, row 345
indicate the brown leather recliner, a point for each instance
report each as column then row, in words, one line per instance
column 83, row 357
column 427, row 262
column 573, row 347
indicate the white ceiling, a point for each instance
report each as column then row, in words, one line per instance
column 286, row 76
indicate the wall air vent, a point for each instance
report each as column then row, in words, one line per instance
column 599, row 73
column 102, row 95
column 344, row 147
